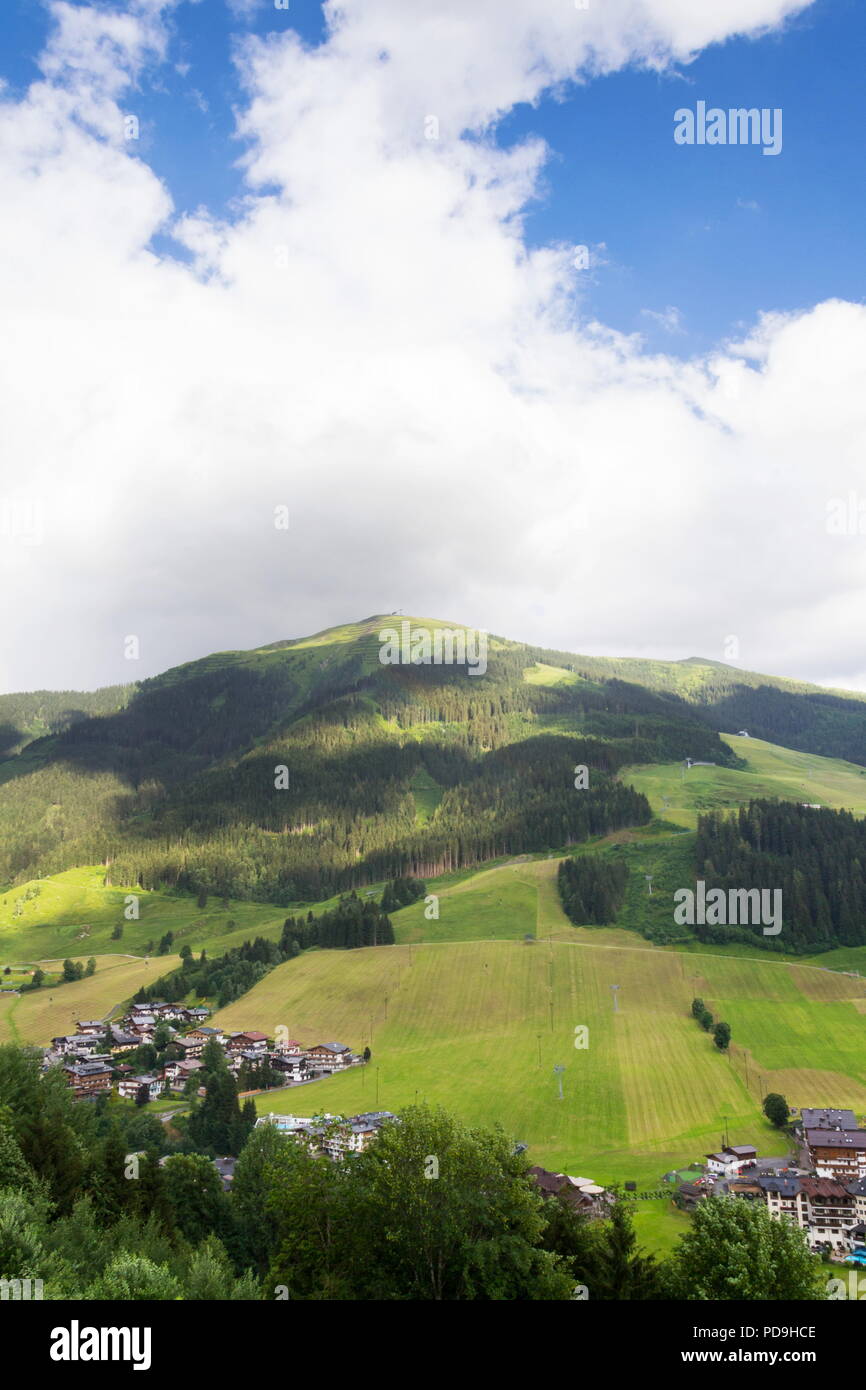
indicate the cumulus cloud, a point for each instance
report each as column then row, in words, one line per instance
column 370, row 343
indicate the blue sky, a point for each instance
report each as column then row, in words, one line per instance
column 720, row 239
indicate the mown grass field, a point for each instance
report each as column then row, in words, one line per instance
column 478, row 1026
column 38, row 1016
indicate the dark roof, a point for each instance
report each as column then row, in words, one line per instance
column 741, row 1149
column 785, row 1187
column 828, row 1119
column 836, row 1138
column 823, row 1187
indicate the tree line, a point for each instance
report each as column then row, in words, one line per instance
column 816, row 857
column 352, row 923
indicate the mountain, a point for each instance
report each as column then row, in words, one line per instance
column 300, row 769
column 26, row 717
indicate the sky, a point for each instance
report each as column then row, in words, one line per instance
column 316, row 312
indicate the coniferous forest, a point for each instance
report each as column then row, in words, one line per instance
column 591, row 888
column 817, row 857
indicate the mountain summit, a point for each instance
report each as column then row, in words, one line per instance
column 311, row 765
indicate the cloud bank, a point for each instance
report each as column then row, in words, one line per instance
column 370, row 344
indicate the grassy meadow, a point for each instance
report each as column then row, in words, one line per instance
column 38, row 1016
column 680, row 796
column 73, row 914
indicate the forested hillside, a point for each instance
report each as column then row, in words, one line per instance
column 816, row 857
column 291, row 773
column 184, row 786
column 41, row 713
column 792, row 713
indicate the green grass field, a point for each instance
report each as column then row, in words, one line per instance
column 478, row 1026
column 74, row 915
column 38, row 1016
column 771, row 771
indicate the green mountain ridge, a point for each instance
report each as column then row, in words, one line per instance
column 391, row 769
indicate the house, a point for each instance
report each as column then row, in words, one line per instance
column 197, row 1015
column 293, row 1068
column 206, row 1034
column 831, row 1211
column 165, row 1012
column 251, row 1057
column 353, row 1135
column 82, row 1045
column 826, row 1209
column 121, row 1041
column 729, row 1160
column 746, row 1153
column 858, row 1192
column 581, row 1194
column 178, row 1073
column 250, row 1041
column 687, row 1196
column 336, row 1136
column 290, row 1046
column 130, row 1086
column 143, row 1025
column 837, row 1153
column 94, row 1026
column 330, row 1056
column 189, row 1046
column 88, row 1078
column 743, row 733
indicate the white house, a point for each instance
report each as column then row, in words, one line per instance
column 130, row 1086
column 730, row 1160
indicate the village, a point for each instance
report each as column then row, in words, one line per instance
column 92, row 1057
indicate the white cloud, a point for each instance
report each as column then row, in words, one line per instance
column 670, row 319
column 374, row 346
